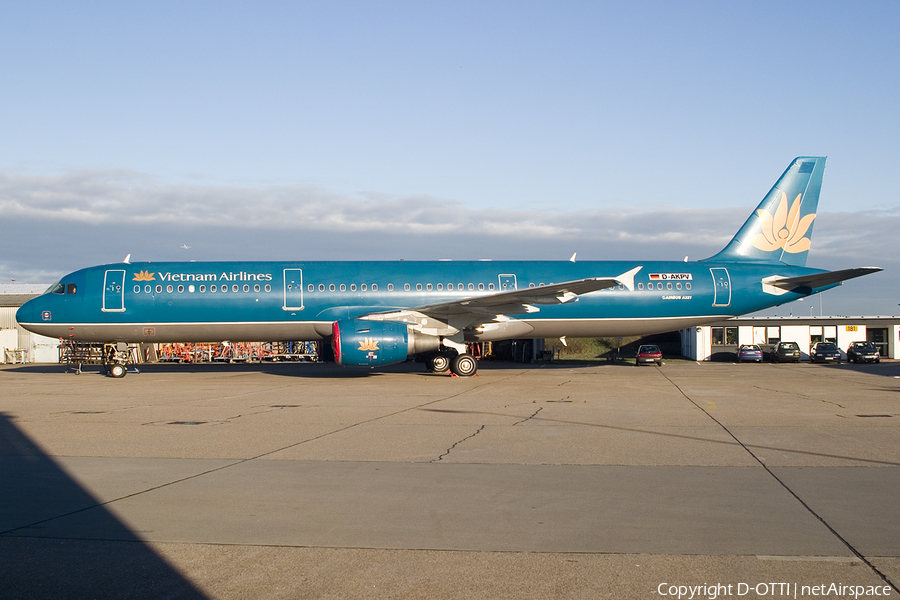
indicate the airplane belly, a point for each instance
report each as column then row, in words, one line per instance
column 182, row 332
column 548, row 328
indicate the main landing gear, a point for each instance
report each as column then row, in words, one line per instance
column 449, row 359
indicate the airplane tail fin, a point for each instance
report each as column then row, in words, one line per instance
column 780, row 229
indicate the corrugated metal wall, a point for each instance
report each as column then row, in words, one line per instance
column 8, row 317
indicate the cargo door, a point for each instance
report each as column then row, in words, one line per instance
column 507, row 283
column 722, row 283
column 114, row 291
column 293, row 289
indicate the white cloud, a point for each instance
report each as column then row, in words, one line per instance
column 93, row 216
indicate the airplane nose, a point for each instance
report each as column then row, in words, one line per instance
column 34, row 311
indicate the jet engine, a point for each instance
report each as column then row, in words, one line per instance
column 358, row 342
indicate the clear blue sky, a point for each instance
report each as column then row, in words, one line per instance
column 489, row 110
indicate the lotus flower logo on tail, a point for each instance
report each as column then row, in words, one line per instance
column 783, row 230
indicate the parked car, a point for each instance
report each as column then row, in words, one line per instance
column 825, row 352
column 749, row 352
column 648, row 354
column 786, row 352
column 863, row 352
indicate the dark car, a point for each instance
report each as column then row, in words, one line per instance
column 863, row 352
column 786, row 352
column 825, row 352
column 648, row 354
column 749, row 352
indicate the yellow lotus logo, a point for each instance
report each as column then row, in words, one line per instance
column 144, row 276
column 368, row 345
column 784, row 230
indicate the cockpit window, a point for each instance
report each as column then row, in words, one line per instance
column 71, row 288
column 56, row 288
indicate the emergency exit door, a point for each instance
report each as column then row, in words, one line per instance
column 114, row 291
column 293, row 289
column 722, row 283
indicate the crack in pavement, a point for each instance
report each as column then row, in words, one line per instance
column 450, row 449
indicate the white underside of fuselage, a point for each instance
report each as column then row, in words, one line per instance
column 318, row 330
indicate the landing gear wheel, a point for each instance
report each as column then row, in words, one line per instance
column 438, row 363
column 464, row 365
column 117, row 371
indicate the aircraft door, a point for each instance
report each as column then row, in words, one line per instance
column 293, row 289
column 722, row 282
column 507, row 283
column 114, row 291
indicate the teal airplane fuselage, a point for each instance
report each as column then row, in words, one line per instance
column 254, row 301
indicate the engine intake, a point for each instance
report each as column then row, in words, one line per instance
column 358, row 342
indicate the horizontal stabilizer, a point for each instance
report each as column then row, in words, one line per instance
column 817, row 280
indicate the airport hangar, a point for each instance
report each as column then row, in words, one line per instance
column 719, row 340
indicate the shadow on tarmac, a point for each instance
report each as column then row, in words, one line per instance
column 38, row 560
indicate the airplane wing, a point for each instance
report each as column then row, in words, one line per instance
column 445, row 318
column 817, row 280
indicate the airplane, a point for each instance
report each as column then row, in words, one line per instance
column 379, row 313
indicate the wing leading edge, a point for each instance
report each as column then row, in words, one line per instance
column 446, row 318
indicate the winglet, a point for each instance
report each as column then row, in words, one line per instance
column 627, row 278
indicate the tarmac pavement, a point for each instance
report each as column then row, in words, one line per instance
column 564, row 480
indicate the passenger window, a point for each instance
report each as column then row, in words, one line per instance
column 481, row 286
column 362, row 287
column 352, row 287
column 224, row 288
column 331, row 287
column 678, row 286
column 213, row 288
column 374, row 287
column 428, row 287
column 256, row 288
column 246, row 287
column 169, row 289
column 269, row 287
column 440, row 286
column 321, row 287
column 343, row 288
column 137, row 289
column 640, row 286
column 191, row 289
column 659, row 286
column 235, row 288
column 202, row 288
column 158, row 289
column 390, row 287
column 668, row 286
column 147, row 289
column 406, row 286
column 687, row 285
column 180, row 289
column 471, row 286
column 419, row 287
column 491, row 286
column 309, row 288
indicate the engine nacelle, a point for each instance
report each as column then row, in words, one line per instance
column 358, row 342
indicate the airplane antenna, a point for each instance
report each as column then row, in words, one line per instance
column 573, row 258
column 127, row 260
column 685, row 259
